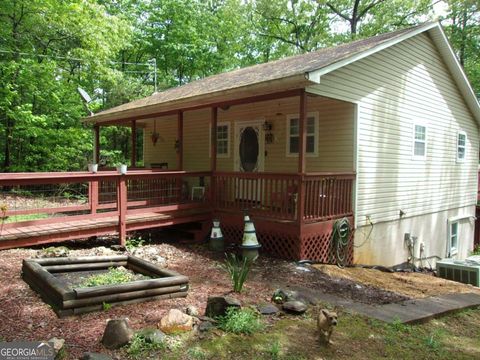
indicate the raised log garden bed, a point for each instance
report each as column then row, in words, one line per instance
column 58, row 281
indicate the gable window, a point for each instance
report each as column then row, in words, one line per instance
column 223, row 139
column 453, row 238
column 419, row 141
column 461, row 146
column 293, row 134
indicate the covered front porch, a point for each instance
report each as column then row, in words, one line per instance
column 295, row 184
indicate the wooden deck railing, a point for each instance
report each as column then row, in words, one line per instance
column 29, row 199
column 279, row 196
column 328, row 195
column 269, row 195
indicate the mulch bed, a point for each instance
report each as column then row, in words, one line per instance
column 24, row 316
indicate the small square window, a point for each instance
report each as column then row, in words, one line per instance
column 461, row 146
column 419, row 141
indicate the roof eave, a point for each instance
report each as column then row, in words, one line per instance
column 443, row 46
column 317, row 74
column 204, row 100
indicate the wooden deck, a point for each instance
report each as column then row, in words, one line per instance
column 75, row 229
column 51, row 207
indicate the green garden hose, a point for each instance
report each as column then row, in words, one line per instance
column 340, row 236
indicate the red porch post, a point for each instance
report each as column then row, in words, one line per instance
column 134, row 143
column 302, row 149
column 213, row 153
column 180, row 140
column 96, row 150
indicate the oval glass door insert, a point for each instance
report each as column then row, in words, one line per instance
column 248, row 149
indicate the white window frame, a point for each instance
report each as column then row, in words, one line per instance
column 414, row 141
column 453, row 250
column 229, row 139
column 315, row 134
column 461, row 160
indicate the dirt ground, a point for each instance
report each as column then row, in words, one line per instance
column 412, row 285
column 24, row 316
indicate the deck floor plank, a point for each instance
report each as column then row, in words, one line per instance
column 152, row 219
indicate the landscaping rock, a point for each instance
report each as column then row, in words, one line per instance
column 294, row 307
column 103, row 251
column 95, row 356
column 150, row 253
column 207, row 318
column 58, row 346
column 205, row 326
column 117, row 247
column 267, row 309
column 117, row 333
column 192, row 310
column 176, row 321
column 53, row 251
column 280, row 296
column 218, row 305
column 151, row 335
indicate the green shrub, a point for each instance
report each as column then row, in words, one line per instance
column 238, row 270
column 113, row 276
column 476, row 250
column 134, row 243
column 196, row 353
column 243, row 321
column 274, row 350
column 139, row 347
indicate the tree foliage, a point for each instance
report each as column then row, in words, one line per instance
column 48, row 48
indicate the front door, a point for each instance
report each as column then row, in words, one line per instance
column 249, row 156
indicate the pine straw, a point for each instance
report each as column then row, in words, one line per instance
column 24, row 316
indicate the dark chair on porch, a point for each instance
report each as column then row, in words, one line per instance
column 286, row 201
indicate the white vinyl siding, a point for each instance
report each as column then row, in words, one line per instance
column 392, row 88
column 461, row 146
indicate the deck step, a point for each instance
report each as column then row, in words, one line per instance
column 196, row 231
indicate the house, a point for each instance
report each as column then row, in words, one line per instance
column 382, row 132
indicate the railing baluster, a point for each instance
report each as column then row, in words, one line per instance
column 122, row 208
column 93, row 195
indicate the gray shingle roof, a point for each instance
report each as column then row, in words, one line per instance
column 273, row 70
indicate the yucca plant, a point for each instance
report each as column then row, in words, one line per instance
column 238, row 270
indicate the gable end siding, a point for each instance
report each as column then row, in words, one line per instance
column 395, row 88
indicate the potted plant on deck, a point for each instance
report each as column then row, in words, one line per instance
column 92, row 167
column 117, row 160
column 122, row 168
column 121, row 164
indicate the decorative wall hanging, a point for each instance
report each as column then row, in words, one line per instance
column 155, row 135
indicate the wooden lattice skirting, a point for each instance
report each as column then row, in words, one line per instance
column 313, row 242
